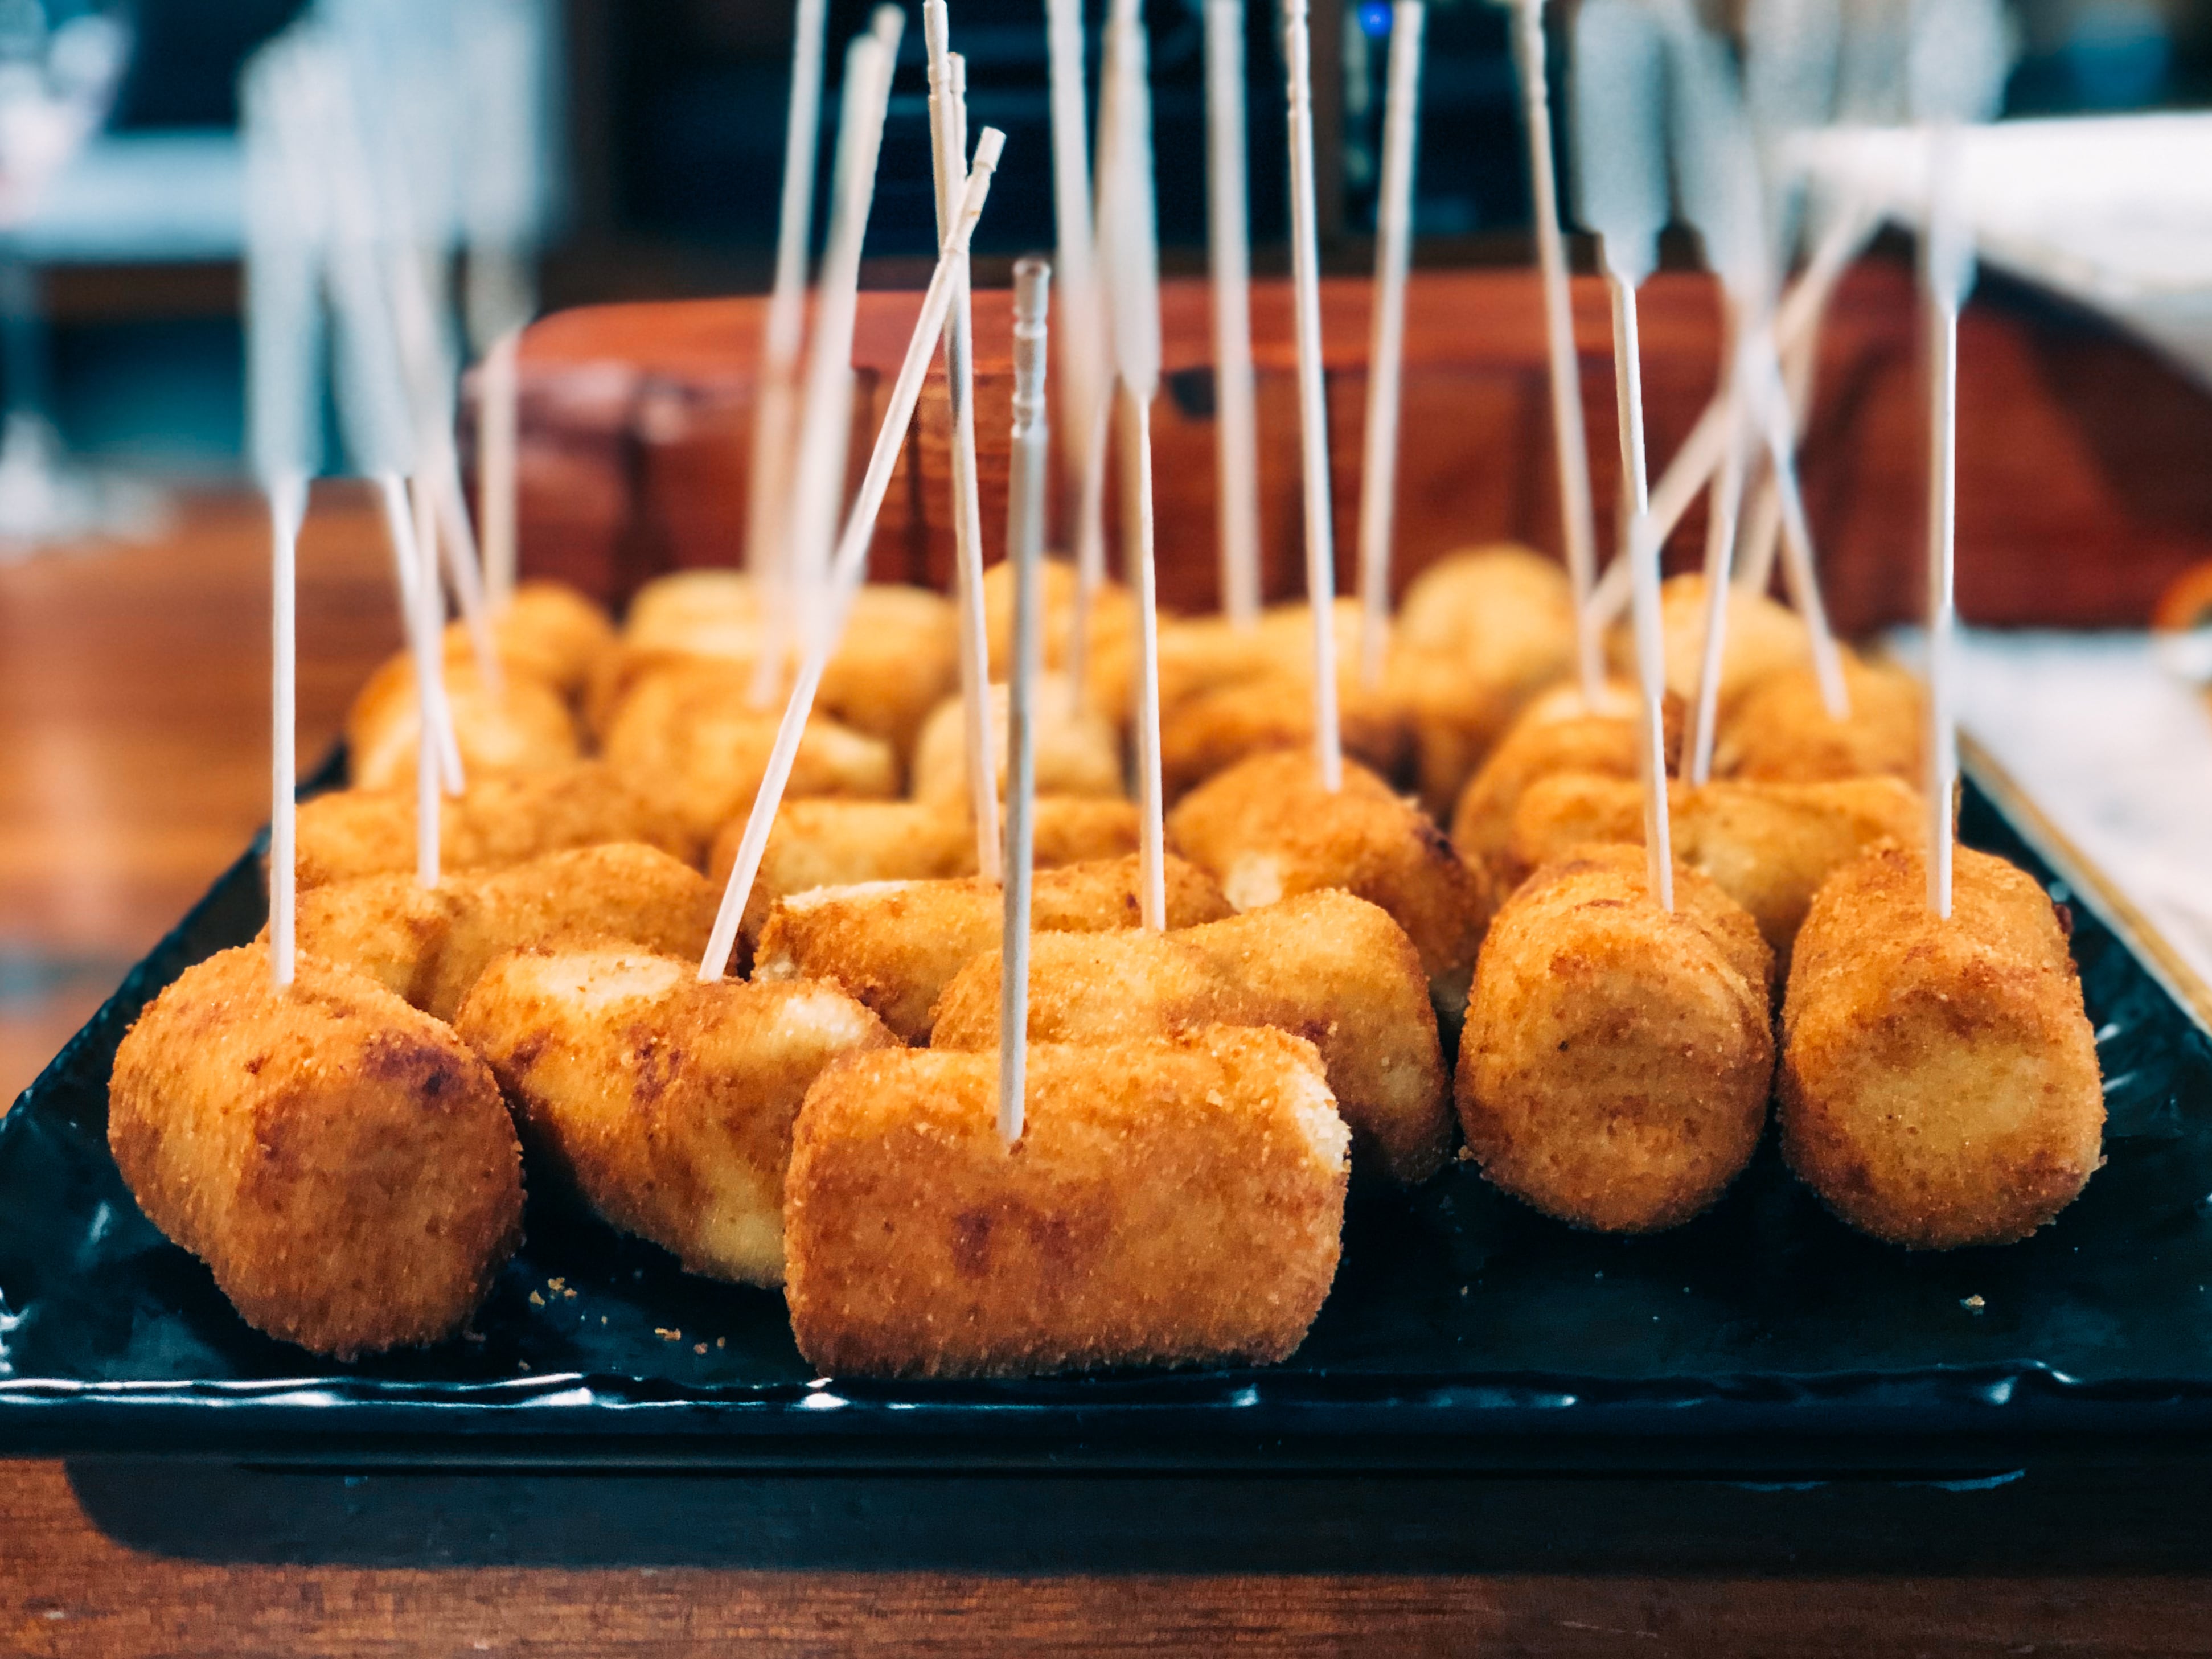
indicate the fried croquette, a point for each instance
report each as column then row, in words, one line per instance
column 896, row 944
column 1113, row 617
column 1557, row 732
column 548, row 630
column 523, row 727
column 1617, row 1058
column 429, row 944
column 666, row 1102
column 497, row 820
column 839, row 843
column 1479, row 632
column 1762, row 638
column 1079, row 752
column 1769, row 845
column 1325, row 966
column 1939, row 1082
column 1780, row 731
column 691, row 739
column 1173, row 1202
column 1210, row 733
column 898, row 656
column 342, row 1164
column 1266, row 830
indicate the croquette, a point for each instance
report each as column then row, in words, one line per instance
column 524, row 725
column 1617, row 1057
column 1939, row 1082
column 1780, row 731
column 666, row 1102
column 896, row 945
column 1169, row 1202
column 1325, row 966
column 340, row 1161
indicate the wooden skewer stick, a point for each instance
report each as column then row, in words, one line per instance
column 1073, row 268
column 792, row 590
column 1387, row 347
column 1132, row 287
column 1235, row 401
column 1097, row 345
column 849, row 566
column 1946, row 265
column 1692, row 465
column 1569, row 442
column 1622, row 174
column 949, row 155
column 767, row 497
column 498, row 425
column 1643, row 552
column 287, row 509
column 423, row 630
column 1313, row 406
column 1025, row 547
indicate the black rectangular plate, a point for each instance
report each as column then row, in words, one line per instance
column 1463, row 1330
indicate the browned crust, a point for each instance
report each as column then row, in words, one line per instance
column 1326, row 967
column 1780, row 731
column 1212, row 731
column 1617, row 1059
column 1940, row 1083
column 496, row 821
column 896, row 947
column 1769, row 845
column 1168, row 1203
column 524, row 726
column 1266, row 830
column 342, row 1164
column 671, row 1110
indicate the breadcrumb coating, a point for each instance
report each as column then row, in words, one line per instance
column 896, row 945
column 1780, row 733
column 1079, row 752
column 1617, row 1058
column 1769, row 845
column 689, row 738
column 1171, row 1202
column 1266, row 830
column 342, row 1164
column 497, row 820
column 665, row 1102
column 1327, row 967
column 523, row 727
column 1763, row 638
column 1940, row 1083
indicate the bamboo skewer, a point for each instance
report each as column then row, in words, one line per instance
column 1235, row 401
column 1313, row 406
column 1025, row 547
column 767, row 498
column 948, row 149
column 1570, row 447
column 1387, row 346
column 849, row 565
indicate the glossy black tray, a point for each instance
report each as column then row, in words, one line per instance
column 1463, row 1330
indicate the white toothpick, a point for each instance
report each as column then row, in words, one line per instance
column 1942, row 613
column 1570, row 447
column 767, row 497
column 498, row 428
column 1617, row 92
column 1025, row 547
column 1313, row 406
column 1096, row 407
column 794, row 582
column 425, row 627
column 1720, row 550
column 287, row 507
column 1131, row 249
column 850, row 564
column 948, row 152
column 1078, row 368
column 1235, row 420
column 399, row 535
column 1393, row 238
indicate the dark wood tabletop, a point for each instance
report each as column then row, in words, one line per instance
column 133, row 692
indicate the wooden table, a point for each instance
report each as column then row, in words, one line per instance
column 132, row 717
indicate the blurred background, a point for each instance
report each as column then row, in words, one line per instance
column 672, row 134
